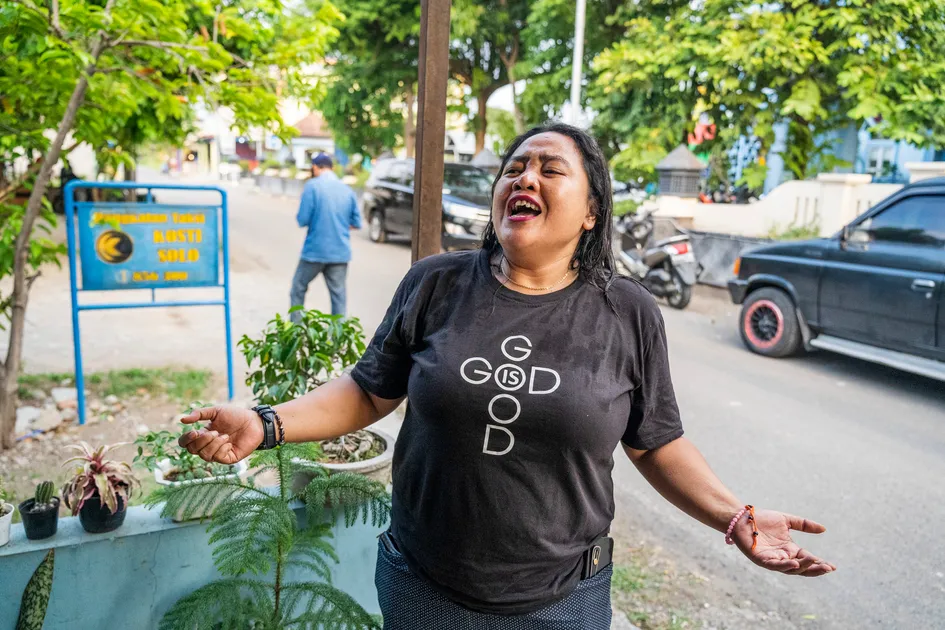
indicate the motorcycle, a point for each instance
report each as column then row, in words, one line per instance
column 668, row 269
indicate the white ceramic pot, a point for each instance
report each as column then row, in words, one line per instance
column 5, row 522
column 377, row 468
column 164, row 467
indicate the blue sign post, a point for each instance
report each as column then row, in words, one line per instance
column 122, row 246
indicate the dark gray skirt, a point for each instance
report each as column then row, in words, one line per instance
column 409, row 603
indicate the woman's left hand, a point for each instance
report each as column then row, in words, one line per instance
column 775, row 549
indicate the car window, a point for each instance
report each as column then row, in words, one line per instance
column 467, row 181
column 407, row 179
column 916, row 220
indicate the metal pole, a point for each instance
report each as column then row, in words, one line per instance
column 577, row 66
column 431, row 132
column 225, row 229
column 69, row 194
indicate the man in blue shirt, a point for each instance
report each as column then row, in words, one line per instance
column 329, row 210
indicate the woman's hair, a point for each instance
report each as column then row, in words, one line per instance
column 594, row 256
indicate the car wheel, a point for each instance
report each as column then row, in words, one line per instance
column 376, row 229
column 769, row 325
column 682, row 294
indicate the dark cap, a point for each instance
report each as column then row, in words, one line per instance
column 322, row 161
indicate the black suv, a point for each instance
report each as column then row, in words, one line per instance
column 873, row 291
column 387, row 202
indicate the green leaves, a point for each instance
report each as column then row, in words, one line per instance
column 805, row 100
column 748, row 65
column 356, row 495
column 42, row 250
column 291, row 359
column 36, row 595
column 258, row 531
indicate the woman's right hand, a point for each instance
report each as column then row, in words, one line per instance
column 232, row 435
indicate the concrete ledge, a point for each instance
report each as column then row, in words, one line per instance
column 130, row 577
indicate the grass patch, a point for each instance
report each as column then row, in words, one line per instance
column 179, row 384
column 628, row 578
column 647, row 594
column 794, row 232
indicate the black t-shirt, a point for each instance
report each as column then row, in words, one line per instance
column 502, row 470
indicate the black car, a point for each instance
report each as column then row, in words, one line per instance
column 387, row 202
column 873, row 291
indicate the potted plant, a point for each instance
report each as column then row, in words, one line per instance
column 6, row 515
column 41, row 513
column 99, row 489
column 289, row 360
column 259, row 542
column 171, row 465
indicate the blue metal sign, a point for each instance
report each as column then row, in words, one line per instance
column 121, row 246
column 125, row 246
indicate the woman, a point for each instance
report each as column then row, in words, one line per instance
column 525, row 364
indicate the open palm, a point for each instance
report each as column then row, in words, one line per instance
column 775, row 549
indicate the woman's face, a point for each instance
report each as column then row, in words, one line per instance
column 541, row 204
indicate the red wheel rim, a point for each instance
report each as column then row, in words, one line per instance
column 763, row 324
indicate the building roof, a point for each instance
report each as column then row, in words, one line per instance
column 313, row 126
column 681, row 159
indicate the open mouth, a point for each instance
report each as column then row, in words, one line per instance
column 522, row 208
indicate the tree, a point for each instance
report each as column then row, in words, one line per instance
column 549, row 39
column 369, row 103
column 749, row 65
column 503, row 125
column 370, row 100
column 486, row 47
column 74, row 67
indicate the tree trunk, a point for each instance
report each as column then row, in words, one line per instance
column 482, row 121
column 11, row 366
column 516, row 112
column 410, row 124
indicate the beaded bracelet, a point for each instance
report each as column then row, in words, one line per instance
column 751, row 519
column 281, row 439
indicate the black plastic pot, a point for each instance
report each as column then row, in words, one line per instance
column 41, row 523
column 98, row 519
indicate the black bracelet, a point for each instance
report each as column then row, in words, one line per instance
column 273, row 431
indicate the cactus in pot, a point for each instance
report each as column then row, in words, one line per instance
column 41, row 513
column 43, row 498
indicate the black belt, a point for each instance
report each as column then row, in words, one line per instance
column 596, row 557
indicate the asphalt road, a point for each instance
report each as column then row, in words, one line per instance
column 858, row 447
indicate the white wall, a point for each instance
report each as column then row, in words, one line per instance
column 828, row 203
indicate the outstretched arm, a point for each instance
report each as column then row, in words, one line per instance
column 336, row 408
column 679, row 472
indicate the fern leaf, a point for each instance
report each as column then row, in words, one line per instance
column 248, row 531
column 355, row 495
column 312, row 550
column 318, row 605
column 228, row 604
column 191, row 498
column 305, row 469
column 268, row 458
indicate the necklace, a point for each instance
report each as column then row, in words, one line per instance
column 523, row 286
